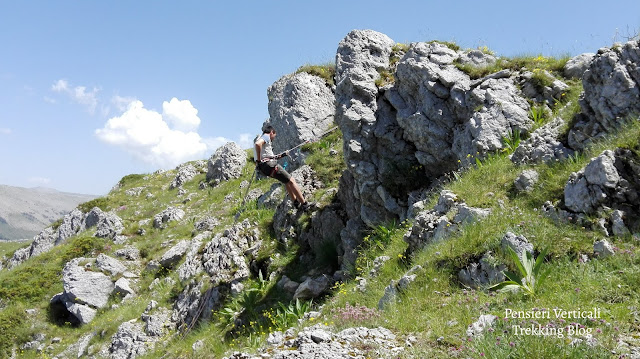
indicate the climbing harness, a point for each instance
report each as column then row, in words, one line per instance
column 276, row 157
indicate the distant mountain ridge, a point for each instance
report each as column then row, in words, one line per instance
column 24, row 212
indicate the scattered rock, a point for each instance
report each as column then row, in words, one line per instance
column 477, row 328
column 168, row 215
column 109, row 264
column 319, row 342
column 186, row 172
column 603, row 249
column 483, row 274
column 175, row 254
column 519, row 244
column 526, row 181
column 312, row 288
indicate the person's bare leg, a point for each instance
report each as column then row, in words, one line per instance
column 294, row 191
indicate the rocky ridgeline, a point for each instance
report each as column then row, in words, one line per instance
column 107, row 225
column 400, row 138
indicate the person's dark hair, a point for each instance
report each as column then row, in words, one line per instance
column 268, row 129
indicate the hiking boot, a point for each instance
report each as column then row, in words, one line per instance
column 308, row 206
column 296, row 204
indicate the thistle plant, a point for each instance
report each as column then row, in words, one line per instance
column 529, row 277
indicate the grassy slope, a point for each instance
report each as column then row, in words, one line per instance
column 436, row 308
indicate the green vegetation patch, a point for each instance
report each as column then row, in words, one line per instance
column 326, row 72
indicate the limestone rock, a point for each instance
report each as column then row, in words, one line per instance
column 611, row 93
column 186, row 172
column 168, row 215
column 226, row 163
column 109, row 264
column 519, row 244
column 193, row 262
column 129, row 342
column 577, row 65
column 175, row 254
column 185, row 309
column 477, row 328
column 86, row 287
column 603, row 248
column 301, row 107
column 526, row 180
column 434, row 225
column 319, row 341
column 543, row 145
column 312, row 288
column 482, row 274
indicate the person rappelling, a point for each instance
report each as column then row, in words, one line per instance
column 268, row 165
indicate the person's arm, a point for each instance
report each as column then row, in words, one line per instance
column 259, row 143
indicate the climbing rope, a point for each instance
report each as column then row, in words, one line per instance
column 203, row 303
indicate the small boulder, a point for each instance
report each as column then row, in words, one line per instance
column 526, row 181
column 603, row 248
column 168, row 215
column 312, row 288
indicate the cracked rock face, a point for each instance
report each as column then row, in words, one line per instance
column 609, row 181
column 402, row 136
column 320, row 342
column 226, row 163
column 301, row 108
column 611, row 93
column 435, row 225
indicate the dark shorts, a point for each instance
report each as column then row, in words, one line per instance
column 273, row 169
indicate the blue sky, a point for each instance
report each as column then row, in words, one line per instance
column 91, row 91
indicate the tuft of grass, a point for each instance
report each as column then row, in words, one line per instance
column 520, row 63
column 326, row 72
column 450, row 44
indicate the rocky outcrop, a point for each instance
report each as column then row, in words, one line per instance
column 85, row 291
column 226, row 163
column 392, row 291
column 186, row 172
column 170, row 214
column 543, row 145
column 577, row 65
column 609, row 186
column 442, row 221
column 108, row 225
column 482, row 274
column 224, row 260
column 285, row 220
column 611, row 93
column 430, row 121
column 301, row 108
column 320, row 342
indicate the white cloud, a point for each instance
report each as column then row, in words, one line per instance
column 146, row 134
column 60, row 85
column 79, row 94
column 40, row 181
column 181, row 114
column 5, row 131
column 245, row 140
column 122, row 103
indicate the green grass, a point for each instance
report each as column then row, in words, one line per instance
column 436, row 308
column 534, row 63
column 326, row 72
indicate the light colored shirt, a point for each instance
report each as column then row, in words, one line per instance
column 267, row 149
